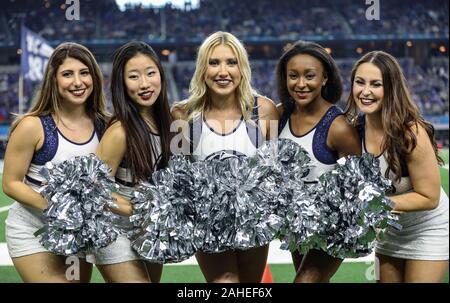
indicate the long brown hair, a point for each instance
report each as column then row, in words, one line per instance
column 139, row 147
column 398, row 113
column 48, row 99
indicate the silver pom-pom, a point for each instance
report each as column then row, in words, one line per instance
column 77, row 191
column 218, row 204
column 351, row 208
column 249, row 197
column 294, row 203
column 164, row 215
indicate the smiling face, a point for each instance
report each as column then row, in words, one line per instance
column 222, row 73
column 368, row 89
column 142, row 80
column 74, row 81
column 305, row 78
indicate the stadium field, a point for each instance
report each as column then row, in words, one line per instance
column 351, row 271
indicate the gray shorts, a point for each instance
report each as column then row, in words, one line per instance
column 20, row 225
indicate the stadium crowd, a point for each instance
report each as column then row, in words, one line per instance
column 289, row 19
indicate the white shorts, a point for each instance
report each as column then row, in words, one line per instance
column 424, row 235
column 20, row 225
column 117, row 252
column 23, row 221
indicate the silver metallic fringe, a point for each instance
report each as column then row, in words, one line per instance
column 77, row 191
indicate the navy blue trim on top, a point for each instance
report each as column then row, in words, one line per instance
column 51, row 141
column 361, row 127
column 33, row 181
column 226, row 134
column 83, row 143
column 254, row 131
column 320, row 148
column 124, row 183
column 50, row 145
column 301, row 136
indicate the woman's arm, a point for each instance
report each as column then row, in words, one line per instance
column 111, row 150
column 24, row 141
column 268, row 117
column 343, row 138
column 424, row 173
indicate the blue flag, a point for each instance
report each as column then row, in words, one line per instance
column 35, row 54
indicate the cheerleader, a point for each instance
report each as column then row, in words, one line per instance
column 393, row 129
column 136, row 143
column 67, row 120
column 309, row 84
column 227, row 118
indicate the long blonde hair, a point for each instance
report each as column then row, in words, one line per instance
column 48, row 99
column 199, row 99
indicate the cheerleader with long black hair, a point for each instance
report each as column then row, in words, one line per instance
column 135, row 144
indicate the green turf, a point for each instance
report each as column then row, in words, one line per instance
column 444, row 155
column 4, row 199
column 281, row 273
column 347, row 273
column 3, row 216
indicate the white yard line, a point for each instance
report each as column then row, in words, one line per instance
column 5, row 208
column 5, row 260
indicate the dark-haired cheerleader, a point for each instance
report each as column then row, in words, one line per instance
column 393, row 129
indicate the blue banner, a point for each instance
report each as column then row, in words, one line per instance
column 35, row 54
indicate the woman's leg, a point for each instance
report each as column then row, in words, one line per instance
column 421, row 271
column 251, row 264
column 125, row 272
column 46, row 267
column 391, row 269
column 317, row 267
column 219, row 267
